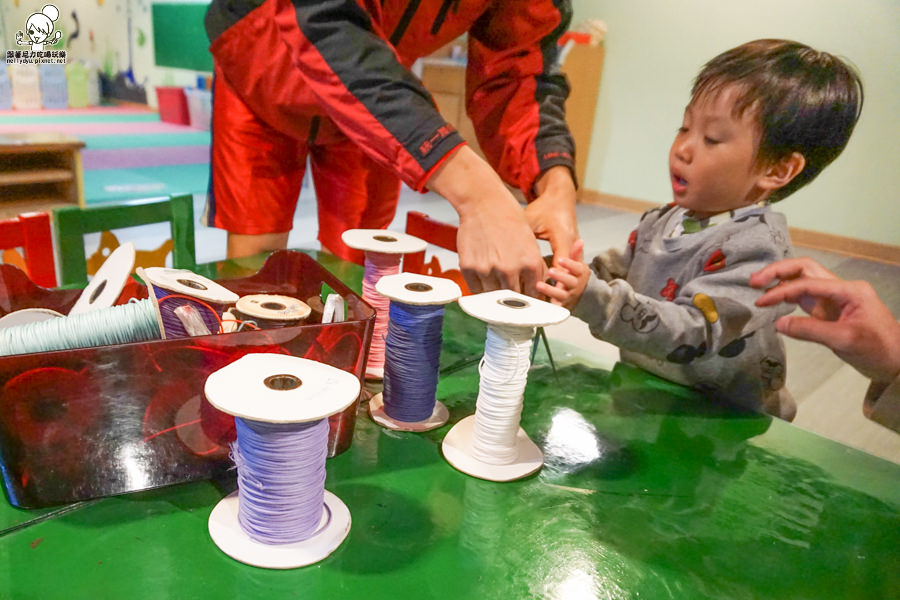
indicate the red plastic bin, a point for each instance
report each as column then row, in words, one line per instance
column 172, row 105
column 107, row 420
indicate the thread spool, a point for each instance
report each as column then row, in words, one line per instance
column 120, row 324
column 204, row 295
column 271, row 311
column 25, row 316
column 106, row 285
column 412, row 352
column 490, row 444
column 293, row 395
column 383, row 250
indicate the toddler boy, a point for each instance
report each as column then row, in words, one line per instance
column 764, row 119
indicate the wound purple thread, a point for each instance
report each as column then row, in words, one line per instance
column 172, row 325
column 281, row 479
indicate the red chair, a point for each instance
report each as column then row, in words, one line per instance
column 31, row 232
column 434, row 232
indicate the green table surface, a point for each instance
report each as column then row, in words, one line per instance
column 647, row 491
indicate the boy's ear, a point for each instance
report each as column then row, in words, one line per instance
column 780, row 173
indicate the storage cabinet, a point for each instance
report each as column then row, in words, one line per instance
column 39, row 171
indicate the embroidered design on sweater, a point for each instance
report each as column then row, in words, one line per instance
column 707, row 306
column 686, row 353
column 773, row 373
column 736, row 347
column 715, row 262
column 669, row 291
column 641, row 317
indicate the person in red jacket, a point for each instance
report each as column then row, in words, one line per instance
column 329, row 80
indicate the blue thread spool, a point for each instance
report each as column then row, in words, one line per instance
column 412, row 352
column 212, row 299
column 490, row 444
column 384, row 250
column 275, row 394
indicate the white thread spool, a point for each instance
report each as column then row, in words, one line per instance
column 374, row 242
column 417, row 290
column 271, row 310
column 258, row 387
column 509, row 315
column 106, row 285
column 24, row 316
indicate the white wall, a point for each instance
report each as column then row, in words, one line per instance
column 103, row 37
column 654, row 48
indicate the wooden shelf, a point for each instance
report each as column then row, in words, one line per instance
column 36, row 176
column 39, row 170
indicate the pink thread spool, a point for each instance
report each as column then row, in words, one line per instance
column 384, row 250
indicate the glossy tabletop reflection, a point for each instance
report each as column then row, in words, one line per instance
column 647, row 491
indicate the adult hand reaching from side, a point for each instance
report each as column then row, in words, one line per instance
column 846, row 316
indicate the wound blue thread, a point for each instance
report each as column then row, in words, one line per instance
column 412, row 359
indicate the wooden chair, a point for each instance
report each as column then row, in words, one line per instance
column 434, row 232
column 31, row 232
column 72, row 223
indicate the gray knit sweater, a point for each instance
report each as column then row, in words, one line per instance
column 681, row 307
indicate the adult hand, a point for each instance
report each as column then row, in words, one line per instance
column 846, row 316
column 497, row 249
column 551, row 215
column 797, row 268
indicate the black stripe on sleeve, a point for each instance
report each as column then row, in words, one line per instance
column 554, row 142
column 343, row 34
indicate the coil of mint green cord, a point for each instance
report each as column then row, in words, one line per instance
column 132, row 322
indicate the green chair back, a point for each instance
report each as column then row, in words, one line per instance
column 72, row 223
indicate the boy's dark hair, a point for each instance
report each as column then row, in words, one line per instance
column 805, row 101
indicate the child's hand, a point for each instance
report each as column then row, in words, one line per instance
column 571, row 278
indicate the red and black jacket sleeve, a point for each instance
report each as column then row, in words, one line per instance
column 515, row 92
column 358, row 80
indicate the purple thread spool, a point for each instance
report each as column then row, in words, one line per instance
column 201, row 293
column 275, row 394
